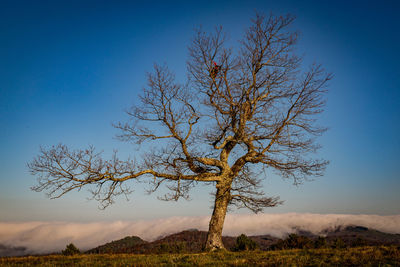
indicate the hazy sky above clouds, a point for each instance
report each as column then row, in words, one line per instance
column 68, row 69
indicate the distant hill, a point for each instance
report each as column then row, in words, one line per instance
column 189, row 241
column 192, row 241
column 11, row 251
column 350, row 234
column 124, row 245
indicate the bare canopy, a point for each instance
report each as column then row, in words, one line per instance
column 241, row 110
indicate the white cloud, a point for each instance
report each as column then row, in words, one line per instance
column 43, row 237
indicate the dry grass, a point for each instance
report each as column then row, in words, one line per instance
column 361, row 256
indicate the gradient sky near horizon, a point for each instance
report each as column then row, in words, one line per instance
column 68, row 69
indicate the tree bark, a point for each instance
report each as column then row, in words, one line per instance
column 214, row 237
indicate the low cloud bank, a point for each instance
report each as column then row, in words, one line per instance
column 45, row 237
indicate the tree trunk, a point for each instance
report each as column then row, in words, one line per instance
column 214, row 237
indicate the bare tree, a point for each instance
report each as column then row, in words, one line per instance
column 241, row 110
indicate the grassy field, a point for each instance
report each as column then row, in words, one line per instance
column 361, row 256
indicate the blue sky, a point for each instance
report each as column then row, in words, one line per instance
column 68, row 69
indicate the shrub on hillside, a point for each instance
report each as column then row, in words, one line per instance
column 70, row 250
column 294, row 241
column 244, row 243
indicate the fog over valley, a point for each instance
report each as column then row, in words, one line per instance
column 21, row 238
